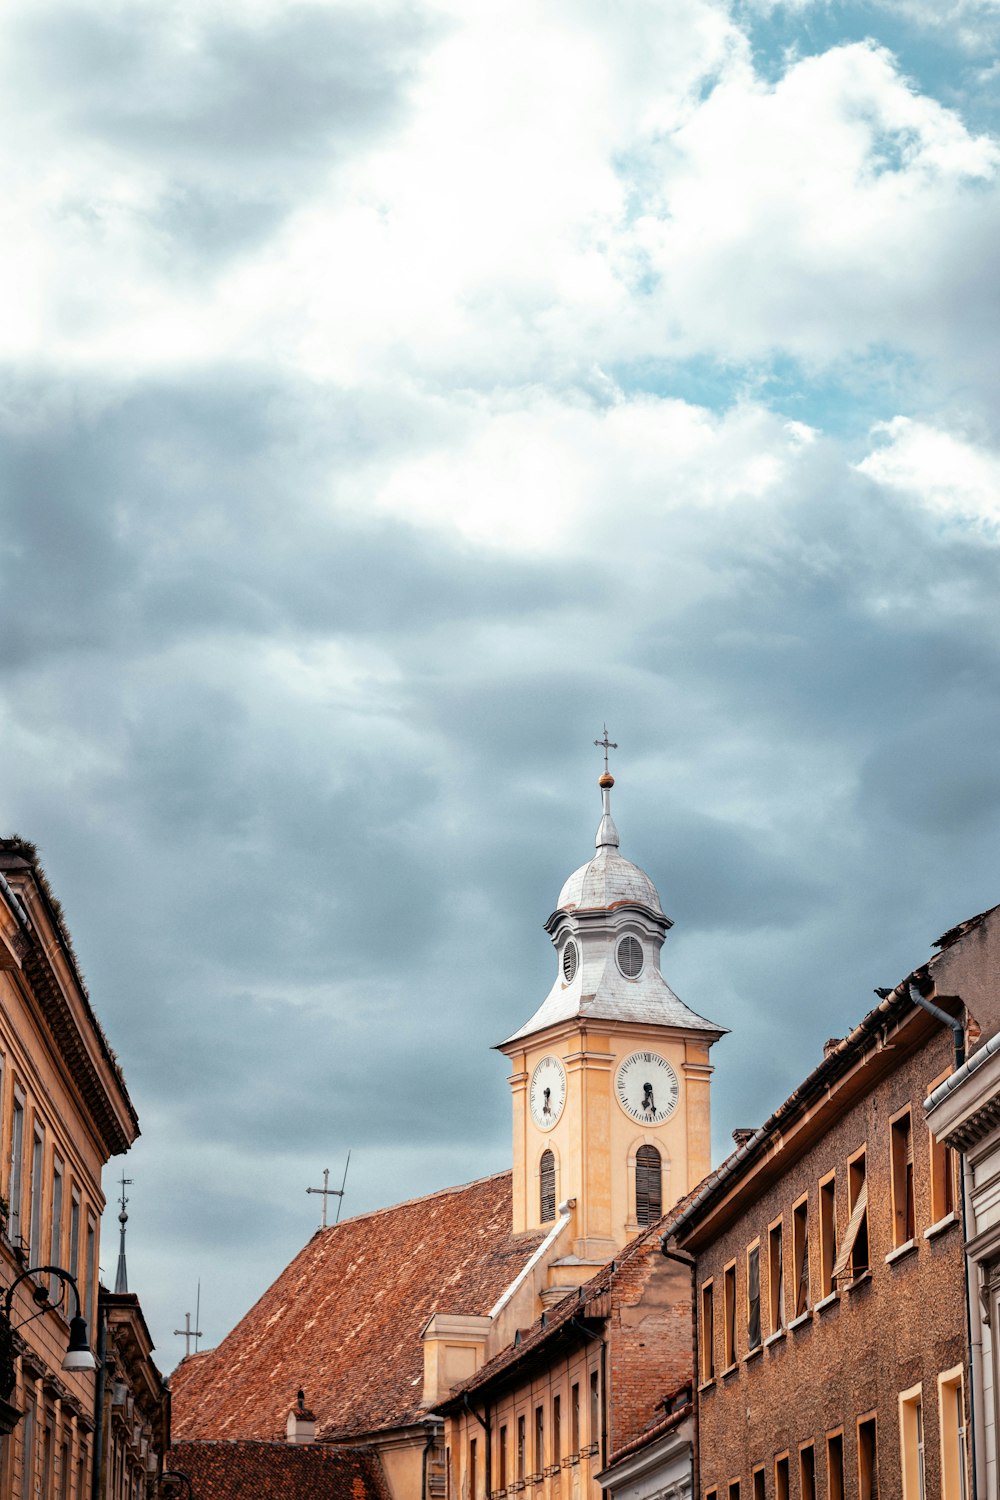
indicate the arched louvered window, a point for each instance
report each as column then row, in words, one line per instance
column 648, row 1185
column 548, row 1187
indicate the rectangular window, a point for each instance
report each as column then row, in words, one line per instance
column 867, row 1459
column 911, row 1443
column 520, row 1449
column 835, row 1466
column 712, row 1494
column 706, row 1351
column 758, row 1483
column 852, row 1254
column 800, row 1255
column 557, row 1429
column 781, row 1477
column 901, row 1154
column 28, row 1451
column 807, row 1472
column 954, row 1459
column 473, row 1475
column 595, row 1411
column 35, row 1254
column 539, row 1439
column 502, row 1458
column 734, row 1489
column 48, row 1446
column 753, row 1297
column 16, row 1165
column 91, row 1268
column 574, row 1418
column 775, row 1278
column 729, row 1315
column 74, row 1233
column 55, row 1238
column 827, row 1233
column 943, row 1170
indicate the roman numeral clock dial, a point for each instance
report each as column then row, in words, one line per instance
column 647, row 1087
column 547, row 1092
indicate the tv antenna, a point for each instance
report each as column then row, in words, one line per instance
column 328, row 1192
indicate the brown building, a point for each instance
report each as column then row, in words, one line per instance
column 831, row 1332
column 577, row 1388
column 64, row 1110
column 134, row 1399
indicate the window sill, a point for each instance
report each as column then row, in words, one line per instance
column 775, row 1338
column 729, row 1370
column 805, row 1317
column 827, row 1301
column 753, row 1353
column 859, row 1281
column 900, row 1251
column 706, row 1385
column 941, row 1225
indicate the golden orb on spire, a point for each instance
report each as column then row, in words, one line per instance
column 606, row 780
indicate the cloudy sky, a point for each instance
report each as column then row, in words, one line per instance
column 391, row 394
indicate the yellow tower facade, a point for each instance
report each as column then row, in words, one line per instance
column 610, row 1077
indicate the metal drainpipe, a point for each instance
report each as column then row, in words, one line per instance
column 599, row 1338
column 423, row 1466
column 958, row 1033
column 102, row 1342
column 484, row 1424
column 684, row 1258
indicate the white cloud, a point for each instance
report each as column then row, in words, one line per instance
column 949, row 474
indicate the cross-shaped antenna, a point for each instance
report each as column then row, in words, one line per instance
column 606, row 745
column 125, row 1182
column 187, row 1333
column 328, row 1192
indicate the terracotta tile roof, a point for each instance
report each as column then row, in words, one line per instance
column 591, row 1301
column 652, row 1432
column 343, row 1322
column 245, row 1470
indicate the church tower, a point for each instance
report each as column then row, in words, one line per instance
column 610, row 1076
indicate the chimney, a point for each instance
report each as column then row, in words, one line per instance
column 300, row 1425
column 831, row 1045
column 743, row 1134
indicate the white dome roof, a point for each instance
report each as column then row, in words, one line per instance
column 608, row 880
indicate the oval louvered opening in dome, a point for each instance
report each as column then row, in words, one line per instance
column 648, row 1185
column 630, row 956
column 569, row 962
column 547, row 1175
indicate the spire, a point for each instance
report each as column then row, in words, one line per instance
column 607, row 833
column 121, row 1275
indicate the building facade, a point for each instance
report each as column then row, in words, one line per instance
column 64, row 1111
column 827, row 1253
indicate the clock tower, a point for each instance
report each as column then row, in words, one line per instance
column 610, row 1076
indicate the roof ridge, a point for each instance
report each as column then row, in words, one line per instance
column 390, row 1208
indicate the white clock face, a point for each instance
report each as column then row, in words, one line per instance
column 547, row 1092
column 647, row 1087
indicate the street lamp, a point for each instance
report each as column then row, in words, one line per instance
column 171, row 1480
column 78, row 1355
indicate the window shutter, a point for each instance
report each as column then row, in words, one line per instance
column 548, row 1187
column 648, row 1185
column 851, row 1233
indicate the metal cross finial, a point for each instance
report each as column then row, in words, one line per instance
column 125, row 1182
column 605, row 745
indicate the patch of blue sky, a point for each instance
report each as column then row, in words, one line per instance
column 843, row 400
column 937, row 58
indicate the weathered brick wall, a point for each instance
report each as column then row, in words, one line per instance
column 649, row 1341
column 904, row 1325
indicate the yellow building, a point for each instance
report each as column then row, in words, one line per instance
column 610, row 1076
column 64, row 1110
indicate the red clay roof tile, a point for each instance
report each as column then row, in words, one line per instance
column 343, row 1321
column 245, row 1470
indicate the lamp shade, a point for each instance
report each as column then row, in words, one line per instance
column 78, row 1355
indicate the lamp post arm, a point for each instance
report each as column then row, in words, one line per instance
column 64, row 1276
